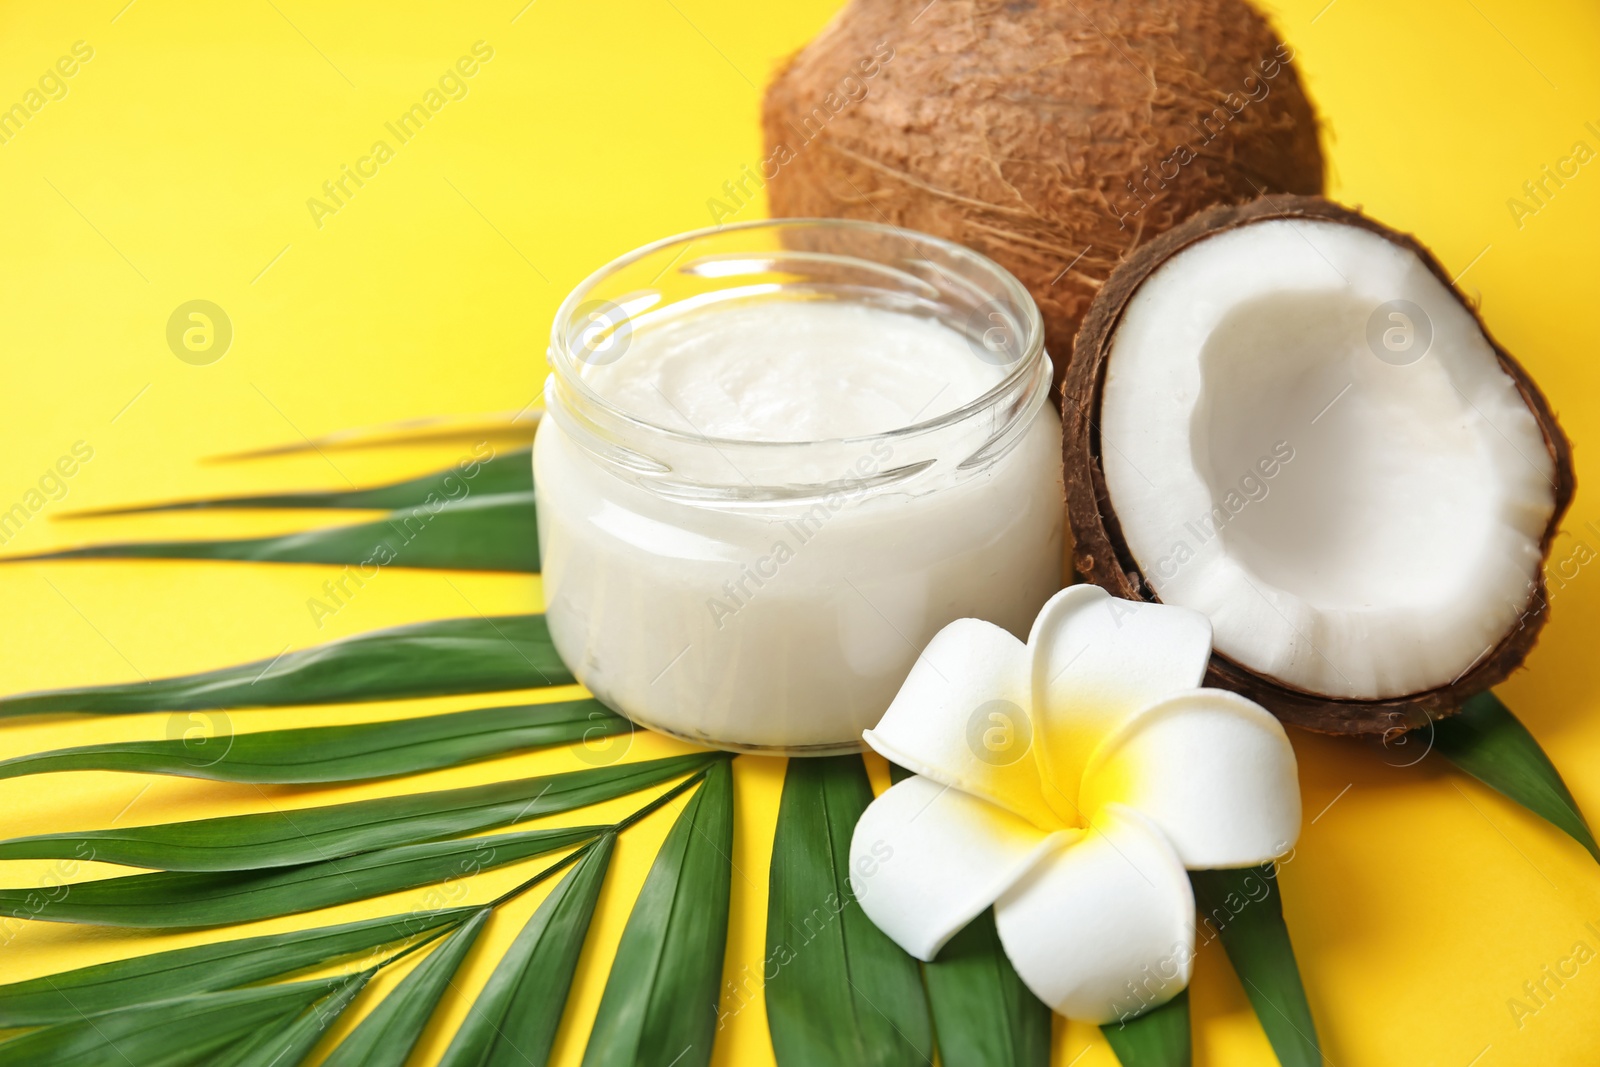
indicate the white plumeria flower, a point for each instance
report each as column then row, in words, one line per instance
column 1069, row 782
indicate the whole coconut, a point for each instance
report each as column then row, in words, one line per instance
column 1052, row 135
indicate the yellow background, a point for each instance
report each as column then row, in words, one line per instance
column 178, row 166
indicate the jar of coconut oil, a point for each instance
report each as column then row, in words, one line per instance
column 778, row 458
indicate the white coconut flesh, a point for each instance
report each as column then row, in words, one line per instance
column 1355, row 527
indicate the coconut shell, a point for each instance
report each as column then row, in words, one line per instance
column 1054, row 136
column 1101, row 555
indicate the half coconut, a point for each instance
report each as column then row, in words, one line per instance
column 1286, row 416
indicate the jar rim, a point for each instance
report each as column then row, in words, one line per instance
column 563, row 362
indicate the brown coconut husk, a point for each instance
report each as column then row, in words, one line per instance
column 1101, row 554
column 1022, row 129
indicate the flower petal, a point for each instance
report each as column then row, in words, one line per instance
column 1096, row 660
column 1213, row 770
column 1104, row 928
column 925, row 859
column 961, row 719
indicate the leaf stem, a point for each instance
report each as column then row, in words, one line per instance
column 616, row 828
column 677, row 790
column 428, row 938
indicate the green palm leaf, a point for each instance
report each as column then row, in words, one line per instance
column 982, row 1013
column 1488, row 742
column 660, row 1002
column 278, row 1045
column 436, row 658
column 1158, row 1038
column 510, row 472
column 342, row 753
column 514, row 1020
column 284, row 838
column 390, row 1031
column 180, row 972
column 1245, row 908
column 489, row 533
column 475, row 431
column 171, row 1033
column 983, row 1016
column 843, row 992
column 189, row 899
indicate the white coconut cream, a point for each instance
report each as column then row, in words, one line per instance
column 781, row 370
column 770, row 478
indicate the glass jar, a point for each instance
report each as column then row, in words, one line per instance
column 762, row 595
